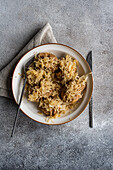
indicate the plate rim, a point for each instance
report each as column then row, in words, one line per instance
column 84, row 61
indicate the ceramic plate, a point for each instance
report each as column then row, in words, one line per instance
column 29, row 108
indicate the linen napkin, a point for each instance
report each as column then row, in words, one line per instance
column 45, row 35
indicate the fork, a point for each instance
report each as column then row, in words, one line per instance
column 20, row 101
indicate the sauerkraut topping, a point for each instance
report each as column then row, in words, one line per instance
column 54, row 83
column 68, row 67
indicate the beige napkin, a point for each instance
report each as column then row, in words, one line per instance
column 45, row 35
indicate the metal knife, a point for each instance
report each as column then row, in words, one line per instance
column 91, row 116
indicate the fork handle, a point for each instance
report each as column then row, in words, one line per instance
column 15, row 121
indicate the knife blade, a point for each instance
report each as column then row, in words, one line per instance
column 91, row 116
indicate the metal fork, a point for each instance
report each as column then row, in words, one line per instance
column 25, row 68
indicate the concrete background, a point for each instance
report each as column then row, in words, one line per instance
column 83, row 25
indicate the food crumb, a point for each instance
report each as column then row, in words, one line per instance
column 40, row 113
column 48, row 119
column 21, row 75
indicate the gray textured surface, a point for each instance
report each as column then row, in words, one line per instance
column 84, row 25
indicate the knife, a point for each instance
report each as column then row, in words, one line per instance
column 91, row 116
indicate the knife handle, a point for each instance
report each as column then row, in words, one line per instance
column 91, row 117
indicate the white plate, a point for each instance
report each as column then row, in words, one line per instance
column 29, row 108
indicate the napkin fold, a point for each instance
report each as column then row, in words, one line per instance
column 45, row 35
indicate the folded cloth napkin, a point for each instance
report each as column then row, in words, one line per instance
column 45, row 35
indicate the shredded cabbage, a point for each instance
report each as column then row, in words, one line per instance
column 54, row 83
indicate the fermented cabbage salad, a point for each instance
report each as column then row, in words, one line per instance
column 54, row 83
